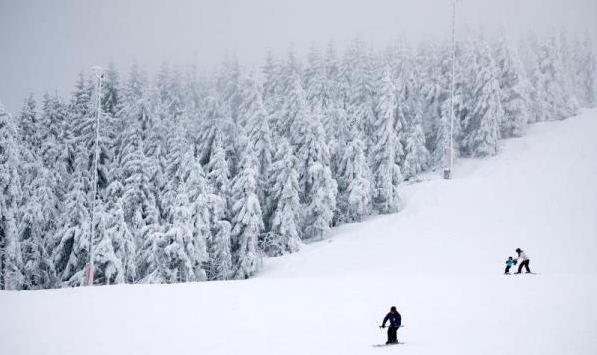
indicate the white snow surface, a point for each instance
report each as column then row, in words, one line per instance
column 440, row 261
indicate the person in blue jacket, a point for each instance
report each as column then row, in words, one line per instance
column 395, row 321
column 509, row 263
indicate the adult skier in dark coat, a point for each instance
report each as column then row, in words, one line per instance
column 395, row 321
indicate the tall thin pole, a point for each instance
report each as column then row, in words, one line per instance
column 451, row 147
column 99, row 74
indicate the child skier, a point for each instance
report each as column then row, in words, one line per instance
column 509, row 263
column 395, row 322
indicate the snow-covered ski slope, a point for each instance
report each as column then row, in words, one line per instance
column 440, row 261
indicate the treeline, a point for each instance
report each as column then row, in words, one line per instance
column 201, row 176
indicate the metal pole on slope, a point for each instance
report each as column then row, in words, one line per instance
column 450, row 150
column 99, row 73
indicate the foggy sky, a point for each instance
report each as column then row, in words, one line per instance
column 45, row 44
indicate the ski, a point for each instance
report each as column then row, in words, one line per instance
column 382, row 345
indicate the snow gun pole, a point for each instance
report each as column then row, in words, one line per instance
column 100, row 75
column 450, row 150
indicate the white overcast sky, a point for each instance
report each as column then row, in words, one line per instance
column 45, row 43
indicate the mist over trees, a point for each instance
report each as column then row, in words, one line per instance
column 199, row 177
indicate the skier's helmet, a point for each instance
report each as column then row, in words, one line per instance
column 518, row 250
column 393, row 309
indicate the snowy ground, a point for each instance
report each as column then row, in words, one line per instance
column 440, row 261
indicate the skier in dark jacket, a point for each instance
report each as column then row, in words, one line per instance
column 395, row 321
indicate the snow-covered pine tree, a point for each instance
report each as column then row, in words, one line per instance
column 138, row 202
column 564, row 58
column 29, row 125
column 168, row 93
column 383, row 155
column 111, row 92
column 527, row 49
column 179, row 248
column 82, row 126
column 193, row 90
column 416, row 155
column 247, row 220
column 51, row 133
column 357, row 85
column 115, row 117
column 337, row 125
column 108, row 268
column 481, row 127
column 219, row 265
column 318, row 189
column 585, row 72
column 514, row 87
column 168, row 250
column 354, row 186
column 197, row 190
column 236, row 146
column 56, row 160
column 296, row 106
column 335, row 120
column 317, row 84
column 259, row 133
column 29, row 145
column 219, row 243
column 416, row 158
column 282, row 95
column 135, row 101
column 441, row 152
column 206, row 127
column 80, row 123
column 164, row 114
column 218, row 173
column 152, row 259
column 323, row 95
column 271, row 83
column 115, row 254
column 133, row 124
column 289, row 70
column 176, row 167
column 553, row 99
column 397, row 62
column 228, row 85
column 11, row 262
column 464, row 98
column 71, row 247
column 216, row 120
column 155, row 148
column 39, row 220
column 139, row 208
column 185, row 217
column 178, row 107
column 282, row 211
column 435, row 91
